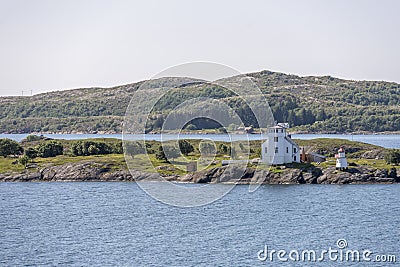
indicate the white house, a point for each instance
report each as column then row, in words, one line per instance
column 279, row 148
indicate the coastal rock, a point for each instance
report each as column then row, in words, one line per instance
column 373, row 154
column 393, row 173
column 92, row 171
column 382, row 173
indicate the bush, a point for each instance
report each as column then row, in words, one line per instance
column 160, row 155
column 167, row 152
column 117, row 148
column 93, row 150
column 32, row 137
column 393, row 156
column 222, row 149
column 23, row 160
column 87, row 148
column 185, row 147
column 31, row 152
column 49, row 149
column 10, row 147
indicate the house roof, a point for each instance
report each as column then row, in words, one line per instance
column 291, row 141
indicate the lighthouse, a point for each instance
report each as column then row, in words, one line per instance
column 341, row 162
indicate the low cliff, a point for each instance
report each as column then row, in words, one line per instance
column 92, row 171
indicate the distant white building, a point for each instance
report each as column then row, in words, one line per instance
column 279, row 148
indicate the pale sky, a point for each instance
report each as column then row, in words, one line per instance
column 49, row 45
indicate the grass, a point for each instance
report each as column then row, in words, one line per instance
column 375, row 163
column 7, row 166
column 331, row 145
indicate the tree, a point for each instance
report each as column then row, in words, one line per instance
column 10, row 147
column 167, row 152
column 86, row 148
column 31, row 152
column 50, row 149
column 117, row 148
column 222, row 149
column 32, row 137
column 321, row 115
column 160, row 155
column 23, row 160
column 393, row 156
column 185, row 147
column 93, row 150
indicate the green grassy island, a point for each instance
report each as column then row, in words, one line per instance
column 42, row 159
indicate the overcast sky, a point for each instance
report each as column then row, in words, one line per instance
column 50, row 45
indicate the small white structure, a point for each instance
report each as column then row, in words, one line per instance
column 341, row 162
column 279, row 148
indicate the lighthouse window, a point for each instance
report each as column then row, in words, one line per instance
column 265, row 150
column 294, row 150
column 287, row 150
column 276, row 139
column 276, row 150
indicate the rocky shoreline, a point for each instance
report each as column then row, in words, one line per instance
column 101, row 172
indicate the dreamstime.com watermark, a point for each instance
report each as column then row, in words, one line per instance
column 339, row 253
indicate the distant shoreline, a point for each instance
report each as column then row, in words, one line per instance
column 215, row 133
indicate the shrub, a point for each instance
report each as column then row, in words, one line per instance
column 185, row 147
column 86, row 148
column 93, row 150
column 49, row 149
column 31, row 152
column 117, row 148
column 23, row 160
column 10, row 147
column 32, row 137
column 167, row 152
column 222, row 149
column 160, row 155
column 393, row 156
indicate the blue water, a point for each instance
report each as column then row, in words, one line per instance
column 388, row 141
column 117, row 224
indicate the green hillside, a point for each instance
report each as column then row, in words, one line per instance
column 312, row 104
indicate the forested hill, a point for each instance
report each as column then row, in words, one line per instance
column 313, row 104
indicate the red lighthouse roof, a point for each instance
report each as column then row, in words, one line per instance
column 341, row 150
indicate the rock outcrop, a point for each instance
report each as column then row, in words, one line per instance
column 92, row 171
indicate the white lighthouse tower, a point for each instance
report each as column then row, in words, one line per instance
column 341, row 162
